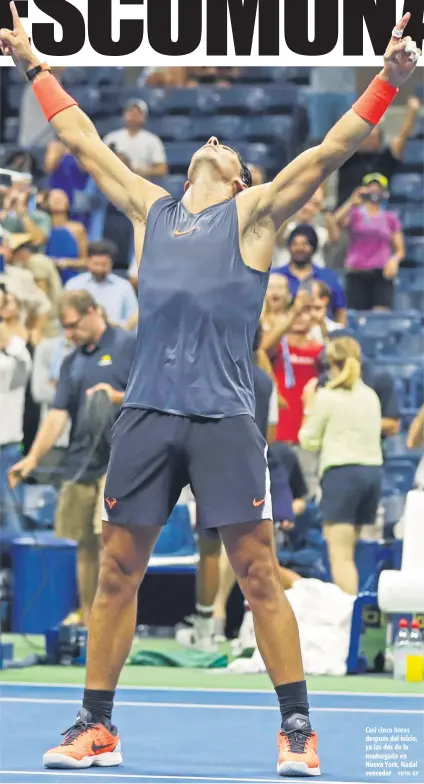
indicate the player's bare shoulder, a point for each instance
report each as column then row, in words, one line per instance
column 142, row 197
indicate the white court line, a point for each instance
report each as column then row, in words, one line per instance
column 163, row 778
column 204, row 706
column 201, row 690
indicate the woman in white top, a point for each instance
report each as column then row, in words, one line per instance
column 342, row 421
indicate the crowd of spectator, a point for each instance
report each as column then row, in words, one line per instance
column 68, row 317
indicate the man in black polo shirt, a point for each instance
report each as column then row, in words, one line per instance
column 376, row 156
column 90, row 391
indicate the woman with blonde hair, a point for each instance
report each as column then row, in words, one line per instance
column 48, row 280
column 342, row 421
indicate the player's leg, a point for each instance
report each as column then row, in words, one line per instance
column 143, row 484
column 231, row 482
column 226, row 584
column 251, row 552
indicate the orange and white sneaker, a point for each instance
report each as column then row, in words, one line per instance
column 86, row 743
column 297, row 748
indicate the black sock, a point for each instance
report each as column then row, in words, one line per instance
column 293, row 698
column 100, row 704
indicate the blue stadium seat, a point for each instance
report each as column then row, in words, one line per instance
column 14, row 97
column 411, row 345
column 280, row 99
column 376, row 345
column 395, row 323
column 408, row 377
column 238, row 100
column 408, row 187
column 269, row 128
column 398, row 476
column 89, row 100
column 173, row 183
column 414, row 153
column 395, row 448
column 180, row 101
column 113, row 75
column 409, row 299
column 418, row 131
column 415, row 249
column 75, row 76
column 227, row 127
column 412, row 219
column 176, row 538
column 393, row 508
column 179, row 155
column 154, row 97
column 261, row 74
column 259, row 154
column 174, row 127
column 106, row 125
column 11, row 129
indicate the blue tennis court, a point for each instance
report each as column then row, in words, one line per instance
column 192, row 736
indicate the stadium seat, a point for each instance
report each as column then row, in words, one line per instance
column 418, row 131
column 415, row 249
column 398, row 476
column 411, row 345
column 173, row 128
column 414, row 154
column 258, row 154
column 89, row 100
column 227, row 127
column 395, row 323
column 412, row 219
column 11, row 129
column 105, row 75
column 408, row 377
column 260, row 74
column 376, row 345
column 174, row 184
column 234, row 100
column 14, row 97
column 106, row 125
column 180, row 101
column 395, row 447
column 75, row 76
column 179, row 155
column 176, row 538
column 269, row 128
column 408, row 187
column 280, row 99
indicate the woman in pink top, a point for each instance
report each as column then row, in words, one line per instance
column 376, row 245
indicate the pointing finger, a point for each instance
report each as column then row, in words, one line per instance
column 15, row 16
column 397, row 32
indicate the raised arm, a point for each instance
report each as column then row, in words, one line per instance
column 293, row 186
column 129, row 192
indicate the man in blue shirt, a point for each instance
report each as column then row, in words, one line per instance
column 115, row 294
column 302, row 244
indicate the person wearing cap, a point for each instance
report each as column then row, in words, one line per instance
column 302, row 243
column 376, row 245
column 143, row 149
column 19, row 281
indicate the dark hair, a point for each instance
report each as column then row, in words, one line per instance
column 324, row 291
column 82, row 301
column 245, row 173
column 102, row 248
column 304, row 230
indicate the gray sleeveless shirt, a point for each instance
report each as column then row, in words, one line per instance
column 199, row 309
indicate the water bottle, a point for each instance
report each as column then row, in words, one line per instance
column 400, row 650
column 415, row 654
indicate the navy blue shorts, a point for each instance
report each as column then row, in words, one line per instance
column 155, row 455
column 351, row 494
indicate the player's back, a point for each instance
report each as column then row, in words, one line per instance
column 199, row 310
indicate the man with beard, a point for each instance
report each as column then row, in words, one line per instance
column 302, row 244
